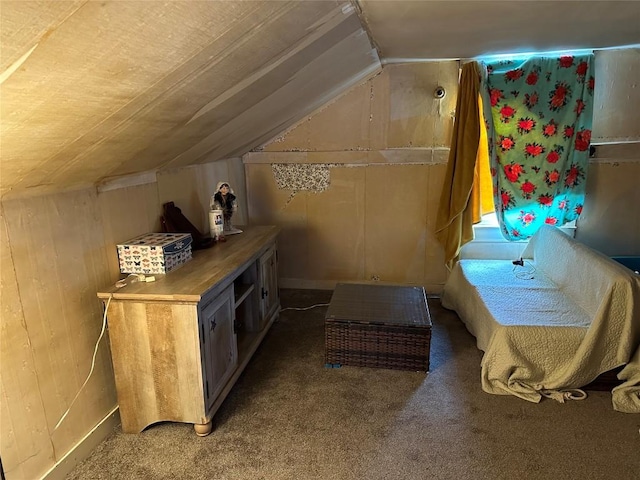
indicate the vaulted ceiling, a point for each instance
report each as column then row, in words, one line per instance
column 92, row 91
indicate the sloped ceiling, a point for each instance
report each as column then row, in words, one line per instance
column 467, row 29
column 96, row 90
column 92, row 91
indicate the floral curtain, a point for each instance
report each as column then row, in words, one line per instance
column 538, row 113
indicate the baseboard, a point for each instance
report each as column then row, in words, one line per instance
column 84, row 447
column 307, row 284
column 298, row 283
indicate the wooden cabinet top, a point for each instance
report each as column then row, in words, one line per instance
column 216, row 265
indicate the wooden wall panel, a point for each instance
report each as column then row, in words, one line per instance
column 335, row 222
column 235, row 175
column 409, row 131
column 616, row 114
column 25, row 445
column 340, row 157
column 344, row 124
column 288, row 209
column 395, row 109
column 57, row 244
column 380, row 111
column 177, row 186
column 416, row 118
column 57, row 251
column 395, row 223
column 191, row 189
column 127, row 213
column 294, row 139
column 387, row 142
column 435, row 271
column 610, row 221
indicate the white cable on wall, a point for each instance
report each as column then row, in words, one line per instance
column 93, row 362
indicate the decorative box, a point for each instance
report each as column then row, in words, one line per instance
column 155, row 253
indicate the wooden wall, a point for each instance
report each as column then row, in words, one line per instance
column 610, row 220
column 56, row 252
column 355, row 187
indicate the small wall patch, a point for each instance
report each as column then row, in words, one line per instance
column 312, row 177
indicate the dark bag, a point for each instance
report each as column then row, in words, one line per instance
column 173, row 221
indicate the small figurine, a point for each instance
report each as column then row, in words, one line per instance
column 224, row 199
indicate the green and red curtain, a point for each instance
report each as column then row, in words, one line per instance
column 538, row 113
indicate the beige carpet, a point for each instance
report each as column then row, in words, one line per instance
column 289, row 417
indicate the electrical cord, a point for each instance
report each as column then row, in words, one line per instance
column 93, row 362
column 526, row 274
column 134, row 277
column 131, row 278
column 305, row 308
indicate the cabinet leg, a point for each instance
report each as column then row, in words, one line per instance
column 203, row 429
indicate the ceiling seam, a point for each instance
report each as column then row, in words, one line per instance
column 365, row 26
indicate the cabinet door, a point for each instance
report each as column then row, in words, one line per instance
column 269, row 296
column 219, row 346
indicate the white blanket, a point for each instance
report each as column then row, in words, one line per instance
column 626, row 397
column 551, row 326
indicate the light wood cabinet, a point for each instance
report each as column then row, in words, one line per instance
column 179, row 344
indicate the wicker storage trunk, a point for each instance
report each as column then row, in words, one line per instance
column 382, row 326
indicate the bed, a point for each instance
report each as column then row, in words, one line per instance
column 554, row 324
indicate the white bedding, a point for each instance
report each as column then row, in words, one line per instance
column 578, row 317
column 626, row 397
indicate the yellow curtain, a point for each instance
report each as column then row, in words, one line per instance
column 482, row 190
column 454, row 222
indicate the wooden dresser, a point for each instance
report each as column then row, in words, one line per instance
column 179, row 344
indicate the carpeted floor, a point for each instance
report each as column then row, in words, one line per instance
column 289, row 417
